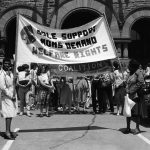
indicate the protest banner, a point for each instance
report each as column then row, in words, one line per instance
column 84, row 49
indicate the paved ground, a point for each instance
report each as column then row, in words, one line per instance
column 74, row 132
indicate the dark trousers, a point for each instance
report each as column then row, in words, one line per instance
column 54, row 100
column 22, row 94
column 128, row 119
column 102, row 100
column 107, row 93
column 94, row 93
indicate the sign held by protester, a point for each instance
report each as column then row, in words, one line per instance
column 85, row 44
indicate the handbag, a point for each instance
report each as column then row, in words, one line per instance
column 128, row 105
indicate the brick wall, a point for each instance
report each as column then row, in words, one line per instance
column 121, row 7
column 41, row 5
column 124, row 7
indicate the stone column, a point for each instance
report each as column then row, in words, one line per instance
column 119, row 49
column 125, row 50
column 2, row 46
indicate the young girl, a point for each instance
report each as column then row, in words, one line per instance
column 24, row 84
column 119, row 87
column 44, row 89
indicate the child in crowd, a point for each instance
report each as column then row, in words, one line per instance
column 44, row 89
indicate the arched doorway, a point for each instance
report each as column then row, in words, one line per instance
column 11, row 38
column 79, row 17
column 139, row 48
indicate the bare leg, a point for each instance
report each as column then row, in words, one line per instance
column 118, row 113
column 63, row 105
column 8, row 133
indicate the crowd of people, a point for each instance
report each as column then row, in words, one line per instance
column 37, row 89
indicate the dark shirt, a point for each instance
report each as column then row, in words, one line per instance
column 135, row 83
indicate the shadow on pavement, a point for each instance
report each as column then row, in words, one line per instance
column 64, row 129
column 2, row 134
column 123, row 131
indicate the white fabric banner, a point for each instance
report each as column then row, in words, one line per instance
column 88, row 43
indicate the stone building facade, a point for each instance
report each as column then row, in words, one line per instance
column 129, row 21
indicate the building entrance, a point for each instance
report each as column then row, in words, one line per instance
column 79, row 17
column 139, row 48
column 11, row 38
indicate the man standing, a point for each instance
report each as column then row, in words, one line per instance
column 95, row 93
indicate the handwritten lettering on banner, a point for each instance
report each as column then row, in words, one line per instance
column 84, row 44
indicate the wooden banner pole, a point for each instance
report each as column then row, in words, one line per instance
column 114, row 45
column 15, row 56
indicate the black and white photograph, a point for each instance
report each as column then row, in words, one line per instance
column 74, row 74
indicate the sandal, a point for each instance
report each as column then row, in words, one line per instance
column 21, row 114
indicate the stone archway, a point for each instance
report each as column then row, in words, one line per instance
column 8, row 26
column 11, row 40
column 136, row 29
column 126, row 31
column 139, row 47
column 72, row 19
column 76, row 5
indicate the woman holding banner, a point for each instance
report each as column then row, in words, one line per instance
column 134, row 85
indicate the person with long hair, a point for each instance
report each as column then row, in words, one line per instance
column 44, row 89
column 135, row 82
column 24, row 84
column 8, row 99
column 119, row 87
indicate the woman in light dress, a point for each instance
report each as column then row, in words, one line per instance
column 8, row 101
column 119, row 87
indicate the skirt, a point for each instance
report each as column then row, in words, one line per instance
column 9, row 109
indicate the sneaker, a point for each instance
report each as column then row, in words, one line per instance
column 118, row 114
column 21, row 113
column 28, row 114
column 41, row 115
column 48, row 115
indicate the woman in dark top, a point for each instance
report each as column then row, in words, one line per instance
column 135, row 81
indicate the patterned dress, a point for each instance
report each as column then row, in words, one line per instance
column 9, row 108
column 43, row 91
